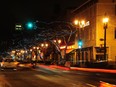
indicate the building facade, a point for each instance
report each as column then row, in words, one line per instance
column 92, row 34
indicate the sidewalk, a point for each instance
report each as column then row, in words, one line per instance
column 77, row 68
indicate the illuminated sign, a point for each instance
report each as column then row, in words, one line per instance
column 83, row 24
column 18, row 27
column 69, row 47
column 87, row 23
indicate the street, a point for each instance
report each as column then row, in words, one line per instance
column 58, row 43
column 43, row 77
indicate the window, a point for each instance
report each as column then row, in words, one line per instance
column 115, row 33
column 99, row 57
column 99, row 50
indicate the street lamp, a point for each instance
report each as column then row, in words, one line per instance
column 36, row 49
column 34, row 55
column 79, row 25
column 57, row 41
column 76, row 23
column 44, row 47
column 105, row 21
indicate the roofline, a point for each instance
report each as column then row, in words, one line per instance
column 81, row 6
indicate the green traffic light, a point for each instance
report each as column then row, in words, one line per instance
column 30, row 25
column 80, row 42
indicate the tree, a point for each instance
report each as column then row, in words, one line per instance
column 48, row 32
column 55, row 30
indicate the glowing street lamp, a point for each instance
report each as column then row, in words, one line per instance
column 58, row 41
column 76, row 22
column 44, row 45
column 105, row 21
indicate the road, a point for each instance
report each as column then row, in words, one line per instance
column 42, row 77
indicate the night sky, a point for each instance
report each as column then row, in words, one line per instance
column 14, row 11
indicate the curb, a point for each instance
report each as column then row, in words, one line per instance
column 79, row 69
column 94, row 70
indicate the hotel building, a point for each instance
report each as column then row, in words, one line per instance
column 92, row 33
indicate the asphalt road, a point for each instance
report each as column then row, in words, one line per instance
column 42, row 77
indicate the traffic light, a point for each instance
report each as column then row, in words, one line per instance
column 80, row 43
column 30, row 25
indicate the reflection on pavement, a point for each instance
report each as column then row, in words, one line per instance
column 3, row 82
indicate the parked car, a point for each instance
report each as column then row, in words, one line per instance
column 9, row 63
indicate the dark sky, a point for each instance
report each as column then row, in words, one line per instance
column 13, row 11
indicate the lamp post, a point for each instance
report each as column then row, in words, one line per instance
column 80, row 25
column 61, row 54
column 105, row 21
column 43, row 48
column 36, row 52
column 76, row 23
